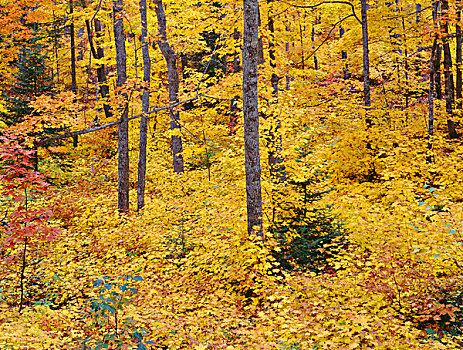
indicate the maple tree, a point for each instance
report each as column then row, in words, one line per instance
column 309, row 197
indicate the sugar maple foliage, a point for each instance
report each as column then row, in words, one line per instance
column 373, row 200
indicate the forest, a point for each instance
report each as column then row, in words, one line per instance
column 227, row 174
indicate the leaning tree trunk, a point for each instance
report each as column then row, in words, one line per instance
column 145, row 106
column 173, row 77
column 448, row 74
column 251, row 117
column 123, row 127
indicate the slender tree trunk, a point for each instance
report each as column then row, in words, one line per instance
column 101, row 70
column 73, row 50
column 458, row 86
column 236, row 56
column 288, row 78
column 448, row 74
column 274, row 139
column 345, row 68
column 123, row 127
column 431, row 97
column 174, row 83
column 315, row 59
column 271, row 39
column 366, row 59
column 98, row 53
column 251, row 117
column 145, row 106
column 438, row 56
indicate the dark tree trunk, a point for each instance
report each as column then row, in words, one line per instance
column 101, row 71
column 271, row 39
column 73, row 51
column 458, row 86
column 251, row 117
column 315, row 59
column 123, row 127
column 260, row 55
column 145, row 107
column 366, row 59
column 437, row 77
column 345, row 69
column 236, row 56
column 448, row 74
column 173, row 77
column 98, row 53
column 431, row 96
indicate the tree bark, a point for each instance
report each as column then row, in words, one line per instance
column 73, row 50
column 145, row 107
column 123, row 127
column 173, row 77
column 448, row 74
column 458, row 86
column 366, row 59
column 251, row 117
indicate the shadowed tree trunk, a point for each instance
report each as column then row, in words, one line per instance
column 437, row 58
column 123, row 127
column 458, row 86
column 448, row 74
column 345, row 69
column 236, row 56
column 145, row 106
column 73, row 50
column 251, row 117
column 366, row 59
column 431, row 97
column 172, row 72
column 98, row 54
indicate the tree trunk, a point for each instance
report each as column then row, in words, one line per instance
column 73, row 50
column 236, row 56
column 315, row 59
column 271, row 39
column 145, row 106
column 173, row 77
column 123, row 127
column 366, row 59
column 101, row 71
column 260, row 55
column 345, row 69
column 458, row 58
column 431, row 97
column 98, row 53
column 448, row 74
column 438, row 56
column 251, row 117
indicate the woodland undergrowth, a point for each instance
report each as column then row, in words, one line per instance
column 183, row 273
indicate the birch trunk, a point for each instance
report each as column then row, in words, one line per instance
column 123, row 127
column 173, row 77
column 251, row 117
column 145, row 106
